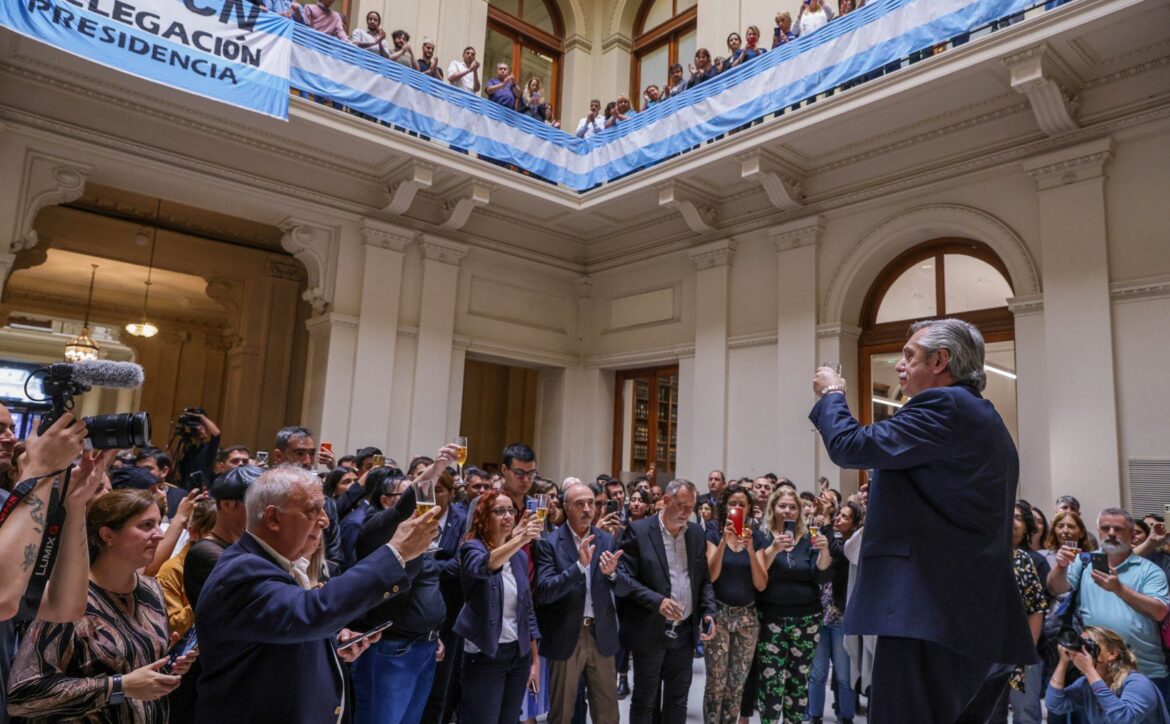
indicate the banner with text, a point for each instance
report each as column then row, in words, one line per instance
column 225, row 50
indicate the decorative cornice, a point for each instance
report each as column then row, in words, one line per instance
column 619, row 360
column 402, row 186
column 1070, row 165
column 522, row 354
column 747, row 341
column 44, row 181
column 462, row 201
column 780, row 181
column 435, row 248
column 714, row 254
column 696, row 211
column 329, row 321
column 578, row 42
column 617, row 40
column 837, row 329
column 314, row 247
column 1146, row 288
column 795, row 234
column 386, row 236
column 1050, row 87
column 1026, row 305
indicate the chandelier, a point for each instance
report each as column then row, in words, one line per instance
column 83, row 347
column 146, row 328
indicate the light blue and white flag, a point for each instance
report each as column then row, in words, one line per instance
column 226, row 50
column 879, row 34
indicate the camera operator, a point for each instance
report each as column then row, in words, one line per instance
column 1112, row 689
column 198, row 444
column 45, row 457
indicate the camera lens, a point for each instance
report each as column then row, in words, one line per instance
column 121, row 430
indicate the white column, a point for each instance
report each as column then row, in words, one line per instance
column 436, row 329
column 1032, row 401
column 377, row 332
column 329, row 377
column 717, row 18
column 709, row 402
column 1078, row 328
column 615, row 69
column 577, row 67
column 837, row 343
column 796, row 346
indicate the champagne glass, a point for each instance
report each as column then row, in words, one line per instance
column 813, row 528
column 541, row 506
column 670, row 632
column 461, row 452
column 424, row 500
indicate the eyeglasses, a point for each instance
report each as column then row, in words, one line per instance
column 504, row 512
column 523, row 474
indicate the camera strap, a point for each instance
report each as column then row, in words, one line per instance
column 48, row 551
column 22, row 491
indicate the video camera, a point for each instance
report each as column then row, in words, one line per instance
column 187, row 426
column 64, row 381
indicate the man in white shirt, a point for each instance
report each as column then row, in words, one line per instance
column 591, row 123
column 465, row 73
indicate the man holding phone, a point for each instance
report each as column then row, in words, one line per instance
column 944, row 469
column 1120, row 591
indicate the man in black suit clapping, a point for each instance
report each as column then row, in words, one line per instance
column 670, row 596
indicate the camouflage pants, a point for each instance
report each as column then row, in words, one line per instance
column 729, row 657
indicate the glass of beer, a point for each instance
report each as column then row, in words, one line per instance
column 461, row 452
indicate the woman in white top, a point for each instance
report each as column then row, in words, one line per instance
column 813, row 15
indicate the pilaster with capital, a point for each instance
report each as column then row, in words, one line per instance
column 383, row 247
column 1083, row 449
column 709, row 393
column 797, row 245
column 433, row 386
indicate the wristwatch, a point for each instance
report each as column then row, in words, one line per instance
column 117, row 696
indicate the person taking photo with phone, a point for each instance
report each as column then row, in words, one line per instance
column 1122, row 592
column 737, row 575
column 790, row 606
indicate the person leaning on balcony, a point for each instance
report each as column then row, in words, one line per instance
column 402, row 54
column 324, row 19
column 373, row 36
column 502, row 89
column 592, row 122
column 465, row 73
column 782, row 33
column 702, row 69
column 813, row 15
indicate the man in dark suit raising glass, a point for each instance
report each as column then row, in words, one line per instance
column 935, row 582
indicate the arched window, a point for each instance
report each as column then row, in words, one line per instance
column 528, row 35
column 664, row 34
column 942, row 278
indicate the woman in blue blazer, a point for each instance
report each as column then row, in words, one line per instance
column 498, row 622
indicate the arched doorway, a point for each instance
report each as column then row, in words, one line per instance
column 948, row 277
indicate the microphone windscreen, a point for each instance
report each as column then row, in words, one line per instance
column 104, row 373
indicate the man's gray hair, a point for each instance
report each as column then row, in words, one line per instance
column 286, row 435
column 571, row 483
column 1121, row 512
column 678, row 484
column 274, row 487
column 965, row 343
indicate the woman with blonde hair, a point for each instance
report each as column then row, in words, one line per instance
column 1112, row 689
column 790, row 607
column 1069, row 529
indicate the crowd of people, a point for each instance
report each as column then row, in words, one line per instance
column 512, row 598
